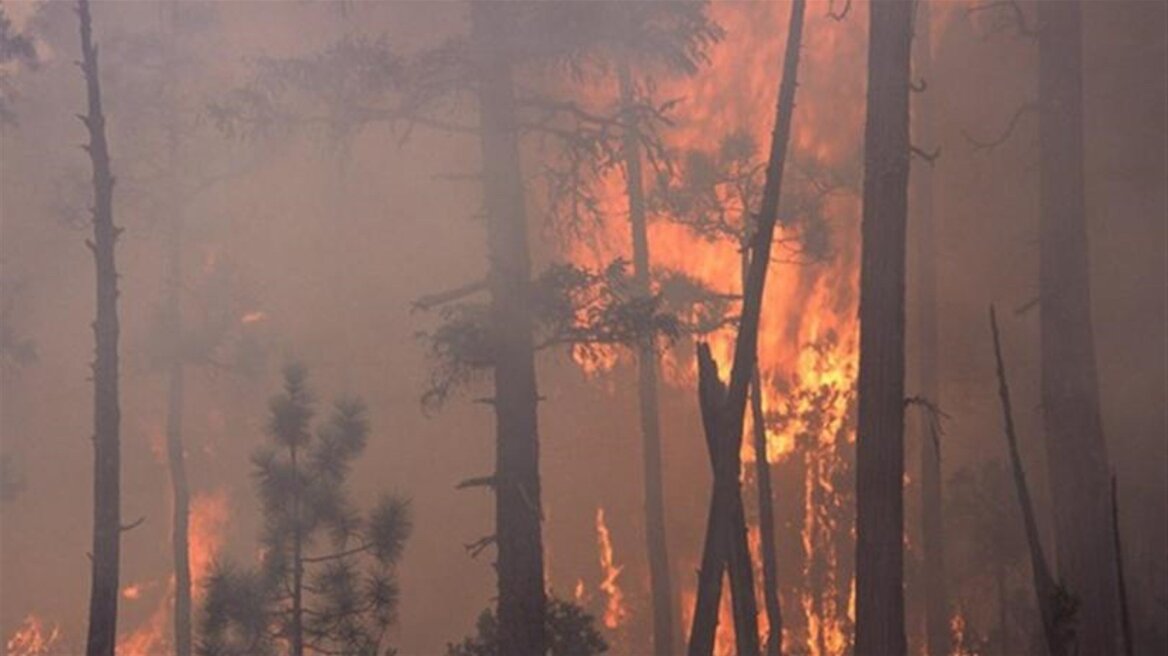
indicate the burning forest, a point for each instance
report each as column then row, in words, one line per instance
column 569, row 327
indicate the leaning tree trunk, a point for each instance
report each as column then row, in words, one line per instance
column 937, row 636
column 1045, row 589
column 723, row 414
column 660, row 586
column 103, row 600
column 521, row 602
column 176, row 459
column 1075, row 444
column 880, row 437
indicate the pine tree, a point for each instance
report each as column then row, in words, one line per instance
column 326, row 581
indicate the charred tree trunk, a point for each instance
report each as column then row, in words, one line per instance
column 726, row 548
column 766, row 521
column 1124, row 615
column 661, row 587
column 176, row 458
column 107, row 528
column 937, row 636
column 1044, row 585
column 880, row 438
column 521, row 601
column 724, row 417
column 766, row 511
column 1075, row 444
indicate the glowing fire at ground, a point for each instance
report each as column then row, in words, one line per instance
column 209, row 515
column 33, row 638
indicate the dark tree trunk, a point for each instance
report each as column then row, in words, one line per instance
column 296, row 630
column 1044, row 586
column 521, row 601
column 880, row 438
column 726, row 548
column 1003, row 602
column 103, row 600
column 937, row 636
column 176, row 459
column 1124, row 615
column 766, row 513
column 1075, row 444
column 724, row 417
column 661, row 587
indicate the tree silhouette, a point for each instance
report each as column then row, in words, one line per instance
column 326, row 581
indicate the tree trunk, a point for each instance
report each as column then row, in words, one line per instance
column 726, row 548
column 1044, row 585
column 880, row 438
column 937, row 636
column 724, row 432
column 296, row 639
column 1000, row 580
column 766, row 512
column 176, row 459
column 1075, row 444
column 105, row 557
column 661, row 587
column 521, row 602
column 1124, row 616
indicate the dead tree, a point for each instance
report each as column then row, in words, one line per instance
column 880, row 435
column 107, row 526
column 1045, row 588
column 937, row 635
column 1075, row 444
column 723, row 415
column 521, row 603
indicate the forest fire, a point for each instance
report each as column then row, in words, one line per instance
column 808, row 337
column 535, row 328
column 615, row 612
column 33, row 638
column 209, row 517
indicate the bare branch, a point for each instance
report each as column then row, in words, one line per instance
column 984, row 144
column 930, row 157
column 842, row 13
column 431, row 301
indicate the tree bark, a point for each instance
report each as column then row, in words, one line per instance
column 880, row 438
column 176, row 458
column 937, row 635
column 724, row 432
column 105, row 557
column 521, row 601
column 660, row 586
column 1044, row 585
column 1075, row 444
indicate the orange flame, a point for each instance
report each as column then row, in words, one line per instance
column 615, row 612
column 253, row 317
column 33, row 638
column 209, row 515
column 808, row 335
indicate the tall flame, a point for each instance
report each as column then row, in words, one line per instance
column 615, row 612
column 209, row 516
column 808, row 334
